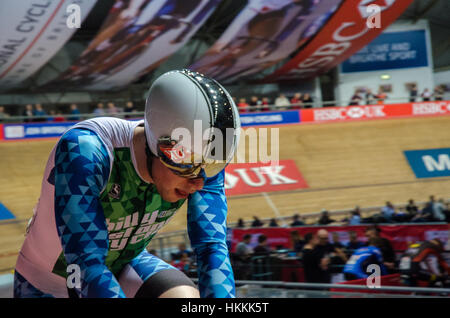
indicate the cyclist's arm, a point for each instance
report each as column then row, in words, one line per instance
column 207, row 213
column 81, row 171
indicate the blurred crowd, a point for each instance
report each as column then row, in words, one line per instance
column 282, row 102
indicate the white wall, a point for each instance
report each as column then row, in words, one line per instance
column 423, row 76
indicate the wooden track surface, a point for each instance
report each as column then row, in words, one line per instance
column 345, row 164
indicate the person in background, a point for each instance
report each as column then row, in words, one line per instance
column 370, row 97
column 240, row 224
column 243, row 254
column 325, row 218
column 243, row 106
column 99, row 110
column 39, row 112
column 381, row 96
column 257, row 222
column 59, row 117
column 355, row 99
column 353, row 243
column 112, row 109
column 74, row 112
column 315, row 266
column 3, row 115
column 355, row 218
column 385, row 247
column 307, row 101
column 153, row 252
column 265, row 103
column 296, row 101
column 183, row 250
column 356, row 267
column 412, row 209
column 262, row 249
column 254, row 104
column 28, row 112
column 388, row 212
column 426, row 95
column 413, row 93
column 425, row 214
column 336, row 241
column 438, row 211
column 129, row 108
column 281, row 102
column 438, row 93
column 336, row 255
column 297, row 242
column 273, row 223
column 296, row 221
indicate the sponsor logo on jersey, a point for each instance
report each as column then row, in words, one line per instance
column 128, row 230
column 115, row 191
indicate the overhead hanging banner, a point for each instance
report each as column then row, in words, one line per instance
column 136, row 38
column 32, row 32
column 264, row 33
column 354, row 24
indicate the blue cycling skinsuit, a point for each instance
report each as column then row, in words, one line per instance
column 357, row 265
column 95, row 211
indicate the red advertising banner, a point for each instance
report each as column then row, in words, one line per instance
column 1, row 132
column 330, row 114
column 246, row 178
column 399, row 235
column 344, row 34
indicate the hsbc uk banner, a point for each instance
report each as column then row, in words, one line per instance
column 249, row 178
column 336, row 114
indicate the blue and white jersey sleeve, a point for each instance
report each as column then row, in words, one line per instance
column 82, row 168
column 207, row 214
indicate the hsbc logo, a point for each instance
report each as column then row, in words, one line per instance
column 257, row 177
column 342, row 113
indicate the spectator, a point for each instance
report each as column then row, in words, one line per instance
column 281, row 102
column 153, row 252
column 242, row 258
column 314, row 265
column 183, row 250
column 28, row 112
column 112, row 109
column 426, row 95
column 242, row 105
column 297, row 242
column 129, row 108
column 381, row 96
column 355, row 99
column 273, row 223
column 336, row 242
column 99, row 110
column 240, row 224
column 424, row 215
column 3, row 115
column 370, row 97
column 388, row 212
column 74, row 112
column 355, row 218
column 39, row 112
column 261, row 249
column 325, row 218
column 257, row 222
column 438, row 211
column 307, row 101
column 353, row 243
column 181, row 262
column 254, row 104
column 296, row 101
column 59, row 117
column 413, row 93
column 243, row 250
column 412, row 209
column 265, row 102
column 385, row 246
column 336, row 255
column 438, row 93
column 447, row 215
column 296, row 221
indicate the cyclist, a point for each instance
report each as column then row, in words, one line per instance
column 111, row 184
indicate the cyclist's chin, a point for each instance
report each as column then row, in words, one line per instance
column 172, row 196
